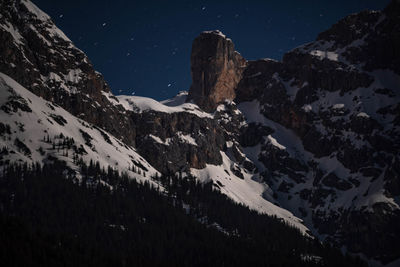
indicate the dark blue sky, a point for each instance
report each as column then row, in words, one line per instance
column 144, row 46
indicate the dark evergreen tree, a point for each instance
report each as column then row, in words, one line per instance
column 51, row 217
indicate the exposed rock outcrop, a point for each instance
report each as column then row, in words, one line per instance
column 216, row 70
column 178, row 141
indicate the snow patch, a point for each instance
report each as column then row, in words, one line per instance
column 325, row 54
column 275, row 143
column 32, row 8
column 140, row 104
column 186, row 138
column 167, row 141
column 18, row 39
column 363, row 115
column 178, row 100
column 73, row 76
column 338, row 106
column 216, row 32
column 307, row 108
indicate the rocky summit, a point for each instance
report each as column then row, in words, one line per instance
column 41, row 58
column 216, row 70
column 313, row 140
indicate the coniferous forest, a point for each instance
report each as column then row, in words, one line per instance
column 49, row 216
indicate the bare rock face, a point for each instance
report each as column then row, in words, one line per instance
column 173, row 153
column 216, row 70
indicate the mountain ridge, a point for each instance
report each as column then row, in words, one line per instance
column 312, row 139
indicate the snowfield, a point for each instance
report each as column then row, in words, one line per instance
column 247, row 191
column 141, row 104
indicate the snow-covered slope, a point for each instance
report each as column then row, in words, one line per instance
column 285, row 139
column 31, row 120
column 140, row 104
column 363, row 196
column 178, row 100
column 229, row 177
column 248, row 190
column 38, row 55
column 31, row 125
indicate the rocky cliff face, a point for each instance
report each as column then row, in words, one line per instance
column 181, row 141
column 216, row 70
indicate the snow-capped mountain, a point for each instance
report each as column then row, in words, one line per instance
column 322, row 126
column 173, row 137
column 333, row 108
column 313, row 139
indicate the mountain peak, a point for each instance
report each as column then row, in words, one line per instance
column 214, row 32
column 39, row 56
column 34, row 11
column 216, row 70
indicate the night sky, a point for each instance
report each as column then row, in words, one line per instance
column 143, row 47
